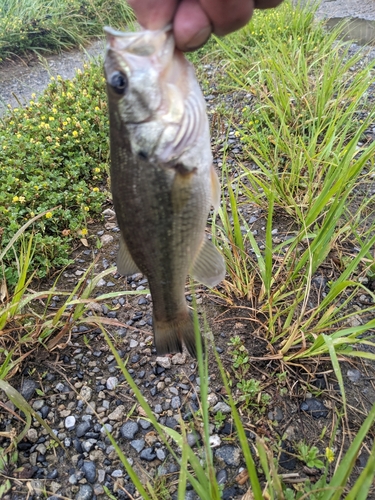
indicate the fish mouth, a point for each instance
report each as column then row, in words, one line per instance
column 141, row 43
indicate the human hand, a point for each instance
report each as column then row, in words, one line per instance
column 195, row 20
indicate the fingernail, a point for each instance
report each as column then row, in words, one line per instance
column 199, row 38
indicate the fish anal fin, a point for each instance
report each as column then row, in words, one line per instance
column 169, row 335
column 125, row 263
column 208, row 267
column 215, row 189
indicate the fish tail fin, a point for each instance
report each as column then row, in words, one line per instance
column 169, row 335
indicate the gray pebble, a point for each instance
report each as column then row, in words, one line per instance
column 129, row 429
column 229, row 454
column 85, row 492
column 70, row 422
column 158, row 408
column 354, row 375
column 145, row 424
column 89, row 471
column 176, row 402
column 223, row 407
column 112, row 383
column 148, row 454
column 82, row 428
column 117, row 473
column 88, row 445
column 314, row 407
column 105, row 427
column 138, row 444
column 222, row 476
column 28, row 388
column 160, row 453
column 192, row 438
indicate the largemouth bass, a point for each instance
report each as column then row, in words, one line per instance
column 162, row 178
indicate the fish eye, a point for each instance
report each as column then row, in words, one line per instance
column 119, row 82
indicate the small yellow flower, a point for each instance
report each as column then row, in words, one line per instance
column 51, row 118
column 75, row 133
column 19, row 135
column 65, row 123
column 15, row 199
column 330, row 455
column 36, row 188
column 95, row 189
column 97, row 169
column 237, row 134
column 32, row 214
column 33, row 95
column 22, row 199
column 48, row 215
column 84, row 231
column 86, row 209
column 52, row 80
column 97, row 108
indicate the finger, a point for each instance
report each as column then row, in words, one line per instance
column 228, row 15
column 154, row 14
column 266, row 4
column 192, row 27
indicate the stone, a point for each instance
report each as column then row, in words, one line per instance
column 70, row 422
column 82, row 428
column 179, row 359
column 89, row 471
column 229, row 454
column 138, row 444
column 222, row 407
column 32, row 435
column 112, row 383
column 86, row 393
column 106, row 239
column 85, row 493
column 148, row 454
column 118, row 414
column 315, row 408
column 164, row 362
column 129, row 429
column 28, row 388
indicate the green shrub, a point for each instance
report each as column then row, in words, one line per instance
column 56, row 24
column 54, row 153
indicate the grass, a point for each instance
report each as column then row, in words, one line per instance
column 306, row 163
column 53, row 25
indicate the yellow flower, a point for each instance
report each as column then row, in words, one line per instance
column 36, row 187
column 84, row 231
column 33, row 95
column 22, row 199
column 237, row 134
column 15, row 199
column 330, row 455
column 97, row 169
column 86, row 209
column 75, row 133
column 95, row 189
column 51, row 118
column 32, row 214
column 65, row 123
column 97, row 108
column 48, row 215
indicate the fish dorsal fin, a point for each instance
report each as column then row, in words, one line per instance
column 208, row 267
column 125, row 263
column 215, row 189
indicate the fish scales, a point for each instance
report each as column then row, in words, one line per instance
column 162, row 179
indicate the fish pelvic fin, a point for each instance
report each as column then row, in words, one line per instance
column 208, row 267
column 215, row 189
column 125, row 263
column 169, row 335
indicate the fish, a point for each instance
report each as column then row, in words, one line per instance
column 163, row 181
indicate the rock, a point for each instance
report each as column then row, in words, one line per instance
column 32, row 435
column 179, row 358
column 28, row 388
column 171, row 422
column 354, row 375
column 192, row 438
column 106, row 239
column 164, row 362
column 70, row 422
column 223, row 407
column 148, row 454
column 129, row 429
column 85, row 493
column 214, row 441
column 229, row 454
column 314, row 407
column 112, row 383
column 89, row 444
column 212, row 399
column 222, row 477
column 89, row 471
column 160, row 454
column 82, row 428
column 138, row 444
column 86, row 393
column 287, row 460
column 118, row 414
column 175, row 402
column 133, row 343
column 117, row 473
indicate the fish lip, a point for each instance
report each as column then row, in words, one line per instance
column 128, row 34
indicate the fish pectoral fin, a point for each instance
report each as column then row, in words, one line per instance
column 215, row 189
column 125, row 262
column 209, row 266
